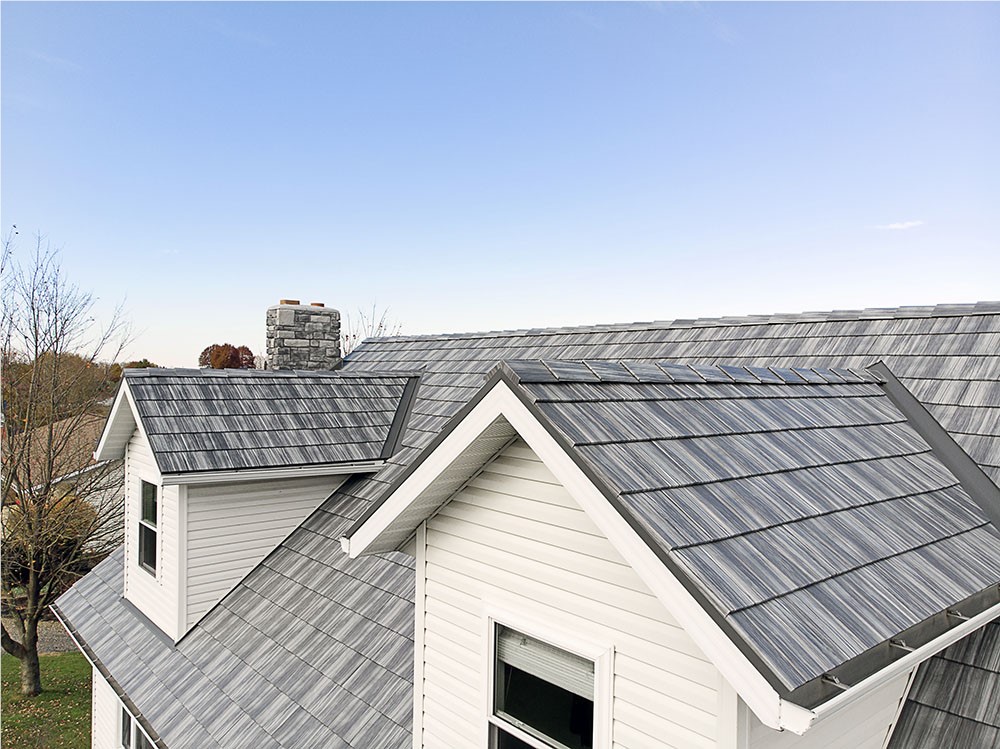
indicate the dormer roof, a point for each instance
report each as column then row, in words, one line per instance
column 232, row 423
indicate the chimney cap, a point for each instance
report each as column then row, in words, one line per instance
column 288, row 301
column 316, row 304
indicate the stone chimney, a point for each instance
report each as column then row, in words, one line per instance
column 303, row 336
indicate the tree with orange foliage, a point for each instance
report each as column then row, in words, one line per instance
column 226, row 356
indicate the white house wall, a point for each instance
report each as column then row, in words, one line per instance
column 105, row 708
column 863, row 724
column 232, row 527
column 515, row 536
column 158, row 597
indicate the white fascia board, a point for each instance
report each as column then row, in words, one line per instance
column 463, row 435
column 262, row 474
column 735, row 667
column 122, row 417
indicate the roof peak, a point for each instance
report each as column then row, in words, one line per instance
column 777, row 318
column 546, row 371
column 261, row 373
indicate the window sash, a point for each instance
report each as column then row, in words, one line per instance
column 554, row 665
column 147, row 547
column 148, row 509
column 126, row 729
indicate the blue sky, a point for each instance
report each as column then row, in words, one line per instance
column 484, row 166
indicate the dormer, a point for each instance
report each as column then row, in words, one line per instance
column 221, row 465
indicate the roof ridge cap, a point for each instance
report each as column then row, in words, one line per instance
column 776, row 318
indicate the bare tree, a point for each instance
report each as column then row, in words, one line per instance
column 61, row 512
column 372, row 324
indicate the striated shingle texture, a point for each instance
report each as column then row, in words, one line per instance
column 949, row 356
column 800, row 503
column 232, row 419
column 955, row 697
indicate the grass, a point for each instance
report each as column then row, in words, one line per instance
column 59, row 716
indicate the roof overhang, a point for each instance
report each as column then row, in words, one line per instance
column 119, row 427
column 501, row 412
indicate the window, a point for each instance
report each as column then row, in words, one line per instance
column 126, row 729
column 147, row 528
column 543, row 696
column 132, row 735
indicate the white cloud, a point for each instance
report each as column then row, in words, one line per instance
column 59, row 62
column 901, row 225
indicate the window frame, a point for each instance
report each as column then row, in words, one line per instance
column 148, row 527
column 130, row 734
column 559, row 635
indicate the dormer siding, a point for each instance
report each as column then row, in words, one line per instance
column 208, row 537
column 232, row 527
column 157, row 595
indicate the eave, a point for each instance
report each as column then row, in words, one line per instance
column 262, row 474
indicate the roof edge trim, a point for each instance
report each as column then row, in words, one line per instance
column 401, row 418
column 974, row 480
column 99, row 666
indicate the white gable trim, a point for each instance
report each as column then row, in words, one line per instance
column 118, row 429
column 752, row 687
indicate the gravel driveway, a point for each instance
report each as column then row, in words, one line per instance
column 52, row 638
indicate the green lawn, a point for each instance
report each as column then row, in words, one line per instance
column 59, row 717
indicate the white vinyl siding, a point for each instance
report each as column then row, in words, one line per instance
column 104, row 714
column 232, row 527
column 515, row 533
column 157, row 596
column 862, row 725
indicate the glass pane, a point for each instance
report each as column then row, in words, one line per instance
column 147, row 548
column 126, row 729
column 149, row 503
column 506, row 741
column 141, row 742
column 543, row 709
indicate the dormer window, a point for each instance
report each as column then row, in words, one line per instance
column 147, row 528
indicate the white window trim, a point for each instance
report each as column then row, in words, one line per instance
column 538, row 625
column 155, row 572
column 135, row 728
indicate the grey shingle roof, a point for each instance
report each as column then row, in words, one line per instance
column 801, row 503
column 312, row 649
column 217, row 420
column 948, row 355
column 955, row 698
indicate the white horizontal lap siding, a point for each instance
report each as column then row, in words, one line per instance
column 515, row 533
column 861, row 725
column 232, row 527
column 156, row 596
column 104, row 714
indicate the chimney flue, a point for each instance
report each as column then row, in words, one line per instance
column 303, row 336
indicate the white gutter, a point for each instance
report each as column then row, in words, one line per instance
column 261, row 474
column 797, row 719
column 95, row 667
